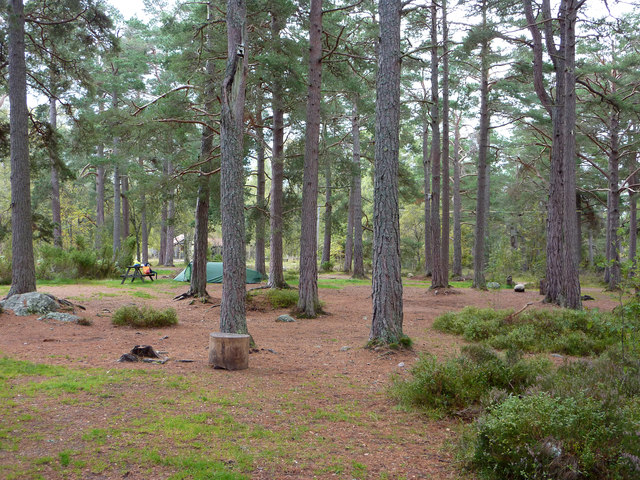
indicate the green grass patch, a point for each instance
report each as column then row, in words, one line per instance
column 142, row 295
column 145, row 317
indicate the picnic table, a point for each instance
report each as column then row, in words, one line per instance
column 137, row 273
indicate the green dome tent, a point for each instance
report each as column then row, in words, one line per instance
column 214, row 274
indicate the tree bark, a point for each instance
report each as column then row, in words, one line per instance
column 144, row 230
column 116, row 202
column 23, row 274
column 562, row 284
column 358, row 255
column 276, row 222
column 633, row 215
column 171, row 229
column 571, row 297
column 386, row 325
column 457, row 204
column 232, row 308
column 126, row 211
column 446, row 179
column 437, row 268
column 479, row 280
column 261, row 203
column 308, row 303
column 613, row 206
column 328, row 210
column 348, row 244
column 426, row 166
column 163, row 231
column 56, row 216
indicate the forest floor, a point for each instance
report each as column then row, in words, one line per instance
column 314, row 402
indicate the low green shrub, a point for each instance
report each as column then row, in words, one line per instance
column 326, row 266
column 282, row 298
column 147, row 317
column 564, row 331
column 472, row 378
column 543, row 437
column 55, row 262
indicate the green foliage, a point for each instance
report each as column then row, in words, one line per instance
column 147, row 317
column 75, row 263
column 564, row 331
column 5, row 270
column 542, row 436
column 470, row 379
column 126, row 252
column 327, row 266
column 278, row 298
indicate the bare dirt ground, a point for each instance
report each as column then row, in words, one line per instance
column 352, row 428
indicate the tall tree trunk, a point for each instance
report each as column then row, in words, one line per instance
column 571, row 297
column 479, row 280
column 116, row 187
column 426, row 166
column 261, row 203
column 446, row 179
column 348, row 244
column 171, row 229
column 328, row 210
column 116, row 202
column 126, row 211
column 562, row 282
column 198, row 285
column 162, row 253
column 386, row 325
column 457, row 203
column 633, row 215
column 163, row 233
column 144, row 231
column 276, row 271
column 358, row 254
column 613, row 210
column 437, row 268
column 232, row 309
column 55, row 173
column 308, row 303
column 23, row 273
column 100, row 178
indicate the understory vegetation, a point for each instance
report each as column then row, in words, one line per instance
column 145, row 317
column 528, row 419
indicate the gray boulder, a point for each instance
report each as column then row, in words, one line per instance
column 30, row 303
column 60, row 317
column 519, row 287
column 493, row 285
column 285, row 319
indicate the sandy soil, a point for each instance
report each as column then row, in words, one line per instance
column 306, row 357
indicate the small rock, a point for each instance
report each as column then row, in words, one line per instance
column 493, row 285
column 30, row 303
column 60, row 317
column 345, row 348
column 556, row 355
column 519, row 287
column 410, row 275
column 586, row 297
column 285, row 319
column 401, row 364
column 128, row 357
column 164, row 338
